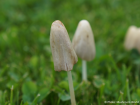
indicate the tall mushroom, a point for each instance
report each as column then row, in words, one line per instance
column 132, row 41
column 64, row 56
column 83, row 43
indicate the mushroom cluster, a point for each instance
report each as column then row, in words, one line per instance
column 65, row 53
column 132, row 39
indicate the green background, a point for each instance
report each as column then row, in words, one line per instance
column 26, row 58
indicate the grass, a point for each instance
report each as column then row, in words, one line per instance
column 26, row 58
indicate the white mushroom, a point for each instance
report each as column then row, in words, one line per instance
column 131, row 38
column 84, row 45
column 64, row 56
column 83, row 41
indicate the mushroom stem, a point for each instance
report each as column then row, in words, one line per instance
column 73, row 102
column 84, row 70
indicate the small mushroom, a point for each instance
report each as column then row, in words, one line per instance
column 83, row 43
column 131, row 38
column 64, row 56
column 132, row 41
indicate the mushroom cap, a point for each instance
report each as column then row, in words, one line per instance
column 64, row 56
column 137, row 44
column 83, row 41
column 130, row 38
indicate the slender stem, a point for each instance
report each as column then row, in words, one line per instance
column 84, row 70
column 73, row 102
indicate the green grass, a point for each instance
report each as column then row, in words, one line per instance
column 26, row 58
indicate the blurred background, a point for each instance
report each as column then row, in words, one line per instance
column 26, row 58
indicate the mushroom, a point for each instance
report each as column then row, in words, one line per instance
column 131, row 37
column 83, row 43
column 64, row 56
column 132, row 41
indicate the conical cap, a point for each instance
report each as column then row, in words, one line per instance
column 83, row 41
column 130, row 38
column 64, row 56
